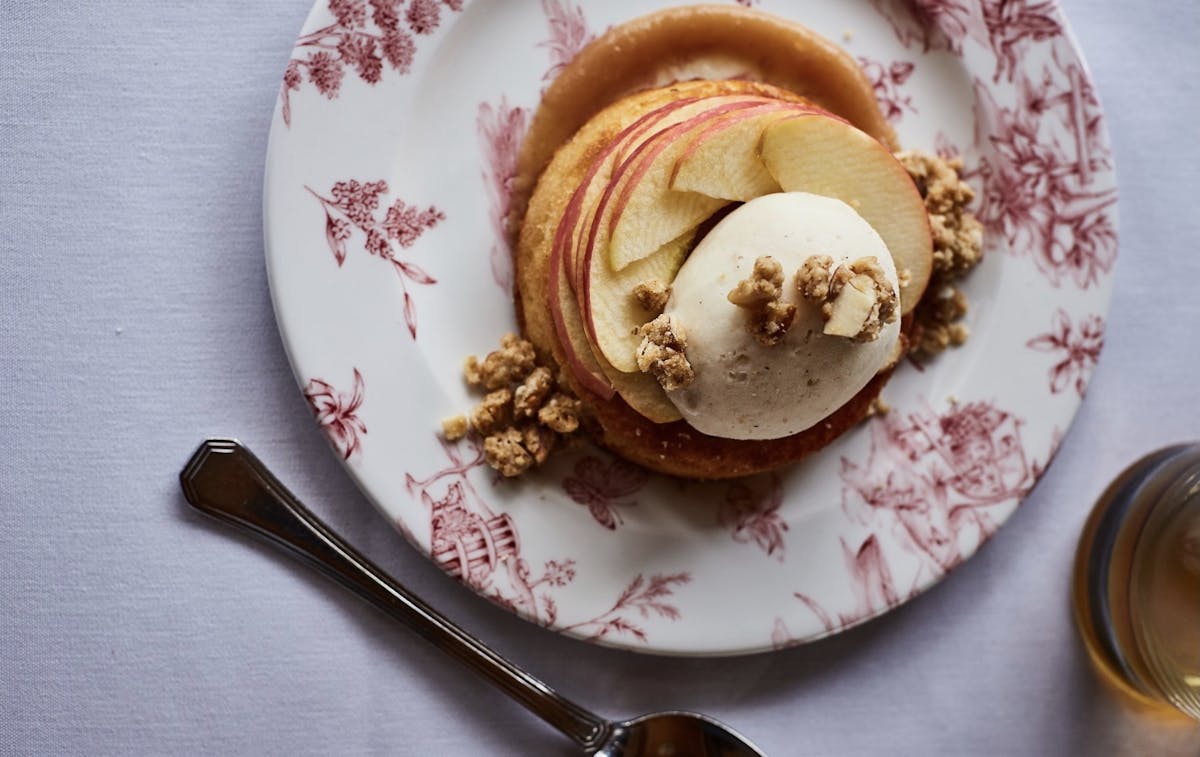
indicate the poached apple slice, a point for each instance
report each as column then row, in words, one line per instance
column 577, row 215
column 639, row 390
column 626, row 158
column 612, row 313
column 827, row 156
column 724, row 161
column 646, row 212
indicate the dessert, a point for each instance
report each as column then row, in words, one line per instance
column 720, row 260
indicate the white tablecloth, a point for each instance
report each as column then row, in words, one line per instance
column 135, row 321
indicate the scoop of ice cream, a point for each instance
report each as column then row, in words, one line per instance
column 747, row 390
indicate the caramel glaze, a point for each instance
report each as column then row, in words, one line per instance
column 679, row 44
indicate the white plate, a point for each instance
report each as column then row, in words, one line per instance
column 385, row 184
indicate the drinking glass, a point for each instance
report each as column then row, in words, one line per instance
column 1136, row 589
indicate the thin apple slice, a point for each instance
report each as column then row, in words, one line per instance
column 611, row 313
column 642, row 392
column 568, row 325
column 723, row 160
column 827, row 156
column 646, row 212
column 613, row 161
column 564, row 305
column 639, row 390
column 578, row 211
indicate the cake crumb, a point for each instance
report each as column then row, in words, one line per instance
column 878, row 407
column 652, row 295
column 760, row 294
column 455, row 427
column 661, row 353
column 848, row 35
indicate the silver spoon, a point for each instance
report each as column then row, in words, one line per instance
column 226, row 481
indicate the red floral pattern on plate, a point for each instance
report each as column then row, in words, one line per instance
column 646, row 597
column 361, row 40
column 568, row 34
column 1079, row 350
column 931, row 24
column 603, row 487
column 932, row 479
column 872, row 584
column 352, row 205
column 481, row 548
column 1012, row 25
column 752, row 512
column 1036, row 189
column 1006, row 27
column 501, row 128
column 930, row 489
column 887, row 81
column 337, row 413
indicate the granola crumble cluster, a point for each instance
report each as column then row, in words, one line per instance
column 525, row 413
column 861, row 285
column 652, row 295
column 661, row 353
column 957, row 248
column 760, row 295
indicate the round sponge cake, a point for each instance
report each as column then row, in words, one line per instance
column 673, row 448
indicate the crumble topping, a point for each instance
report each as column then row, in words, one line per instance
column 957, row 248
column 759, row 295
column 856, row 300
column 525, row 414
column 652, row 295
column 494, row 413
column 529, row 396
column 505, row 451
column 511, row 363
column 661, row 353
column 560, row 414
column 878, row 407
column 455, row 427
column 957, row 234
column 938, row 321
column 813, row 278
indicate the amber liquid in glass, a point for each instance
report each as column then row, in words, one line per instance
column 1136, row 591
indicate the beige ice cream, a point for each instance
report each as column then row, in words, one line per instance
column 743, row 389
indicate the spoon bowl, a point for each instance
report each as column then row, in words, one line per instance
column 673, row 734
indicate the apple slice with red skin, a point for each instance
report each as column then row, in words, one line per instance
column 610, row 312
column 638, row 390
column 579, row 358
column 646, row 214
column 827, row 156
column 622, row 156
column 622, row 313
column 723, row 160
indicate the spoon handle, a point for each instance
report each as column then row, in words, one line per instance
column 225, row 480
